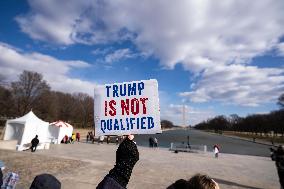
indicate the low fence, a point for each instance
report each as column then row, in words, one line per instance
column 188, row 148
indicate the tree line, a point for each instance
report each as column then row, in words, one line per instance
column 165, row 124
column 32, row 92
column 256, row 123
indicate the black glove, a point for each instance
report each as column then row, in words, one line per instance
column 126, row 157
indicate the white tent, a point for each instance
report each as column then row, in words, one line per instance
column 24, row 129
column 57, row 130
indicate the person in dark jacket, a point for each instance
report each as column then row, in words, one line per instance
column 45, row 181
column 2, row 167
column 126, row 157
column 198, row 181
column 151, row 142
column 34, row 142
column 1, row 177
column 87, row 138
column 278, row 156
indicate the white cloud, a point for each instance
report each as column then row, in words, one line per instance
column 101, row 51
column 202, row 35
column 119, row 54
column 13, row 61
column 187, row 31
column 280, row 49
column 68, row 22
column 56, row 21
column 238, row 84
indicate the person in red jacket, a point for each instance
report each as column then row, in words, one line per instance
column 78, row 137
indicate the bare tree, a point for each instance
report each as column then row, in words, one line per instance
column 281, row 101
column 27, row 90
column 85, row 108
column 5, row 97
column 6, row 102
column 2, row 78
column 165, row 124
column 3, row 81
column 64, row 106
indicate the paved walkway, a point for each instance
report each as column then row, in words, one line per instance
column 159, row 168
column 228, row 144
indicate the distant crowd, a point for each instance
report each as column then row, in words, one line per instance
column 101, row 139
column 71, row 139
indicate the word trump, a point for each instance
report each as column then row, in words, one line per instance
column 130, row 107
column 125, row 89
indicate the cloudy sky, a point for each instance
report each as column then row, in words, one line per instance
column 212, row 57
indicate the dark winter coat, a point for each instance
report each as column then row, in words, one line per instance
column 1, row 177
column 35, row 142
column 45, row 181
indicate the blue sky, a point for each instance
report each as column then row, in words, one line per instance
column 215, row 58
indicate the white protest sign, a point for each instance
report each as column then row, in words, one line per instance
column 127, row 108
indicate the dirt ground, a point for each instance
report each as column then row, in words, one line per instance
column 28, row 165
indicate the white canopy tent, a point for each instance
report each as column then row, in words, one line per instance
column 24, row 129
column 57, row 130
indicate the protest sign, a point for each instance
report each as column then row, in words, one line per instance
column 127, row 108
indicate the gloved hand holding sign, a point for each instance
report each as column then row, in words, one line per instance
column 126, row 157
